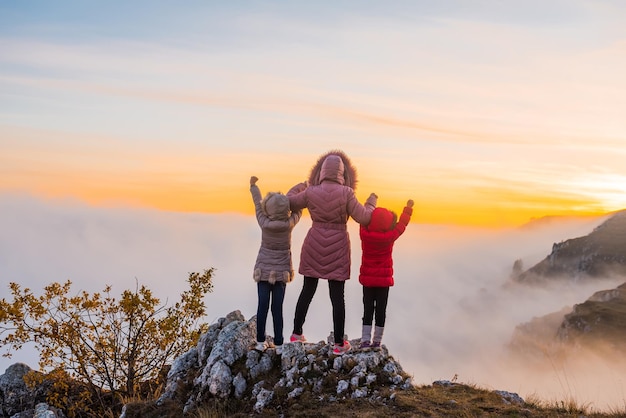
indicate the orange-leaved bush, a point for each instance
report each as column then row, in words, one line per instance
column 111, row 345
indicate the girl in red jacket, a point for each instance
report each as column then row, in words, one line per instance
column 376, row 274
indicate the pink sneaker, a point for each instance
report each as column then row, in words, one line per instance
column 340, row 350
column 297, row 338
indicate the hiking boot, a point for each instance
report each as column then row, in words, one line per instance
column 260, row 346
column 365, row 345
column 340, row 350
column 297, row 338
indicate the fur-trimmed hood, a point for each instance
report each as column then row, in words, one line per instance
column 334, row 166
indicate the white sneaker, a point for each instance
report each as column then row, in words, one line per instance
column 279, row 349
column 260, row 346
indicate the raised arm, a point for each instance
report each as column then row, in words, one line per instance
column 361, row 213
column 297, row 196
column 405, row 218
column 256, row 198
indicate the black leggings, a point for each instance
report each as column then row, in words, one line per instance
column 336, row 290
column 375, row 301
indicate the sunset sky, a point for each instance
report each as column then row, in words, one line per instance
column 485, row 113
column 129, row 131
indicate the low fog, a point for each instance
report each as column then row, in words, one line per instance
column 448, row 315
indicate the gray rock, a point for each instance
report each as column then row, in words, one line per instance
column 240, row 384
column 396, row 379
column 41, row 410
column 371, row 378
column 15, row 394
column 391, row 368
column 257, row 388
column 206, row 341
column 295, row 393
column 263, row 399
column 220, row 380
column 510, row 398
column 359, row 393
column 292, row 354
column 183, row 363
column 232, row 343
column 226, row 350
column 264, row 365
column 235, row 316
column 337, row 363
column 252, row 359
column 180, row 368
column 342, row 386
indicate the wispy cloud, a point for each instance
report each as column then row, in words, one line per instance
column 483, row 96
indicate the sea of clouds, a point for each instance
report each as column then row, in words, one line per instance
column 449, row 313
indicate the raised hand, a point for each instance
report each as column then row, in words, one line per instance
column 253, row 180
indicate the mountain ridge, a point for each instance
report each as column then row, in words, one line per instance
column 599, row 254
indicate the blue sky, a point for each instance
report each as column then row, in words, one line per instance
column 506, row 108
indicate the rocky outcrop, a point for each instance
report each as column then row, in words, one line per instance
column 225, row 365
column 600, row 321
column 18, row 400
column 535, row 340
column 600, row 254
column 224, row 372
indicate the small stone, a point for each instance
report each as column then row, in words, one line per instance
column 342, row 386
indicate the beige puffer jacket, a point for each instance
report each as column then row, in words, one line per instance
column 273, row 263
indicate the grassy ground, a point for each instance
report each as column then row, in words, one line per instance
column 436, row 401
column 458, row 400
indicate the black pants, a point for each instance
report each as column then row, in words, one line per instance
column 270, row 295
column 375, row 301
column 336, row 290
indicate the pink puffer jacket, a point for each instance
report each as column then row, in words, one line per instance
column 331, row 201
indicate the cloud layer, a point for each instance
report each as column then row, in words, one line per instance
column 448, row 313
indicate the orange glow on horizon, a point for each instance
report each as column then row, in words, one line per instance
column 231, row 199
column 218, row 182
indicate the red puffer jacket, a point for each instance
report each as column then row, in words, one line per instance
column 377, row 244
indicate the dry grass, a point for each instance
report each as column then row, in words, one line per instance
column 459, row 400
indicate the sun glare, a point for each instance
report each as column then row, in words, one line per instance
column 609, row 190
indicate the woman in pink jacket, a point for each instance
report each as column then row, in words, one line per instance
column 325, row 252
